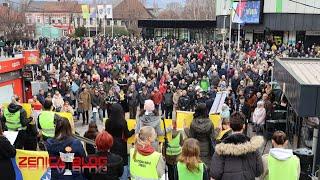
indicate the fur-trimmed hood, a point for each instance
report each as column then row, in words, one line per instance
column 239, row 144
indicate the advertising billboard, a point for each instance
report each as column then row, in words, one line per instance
column 246, row 12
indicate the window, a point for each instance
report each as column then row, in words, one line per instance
column 64, row 20
column 84, row 21
column 29, row 20
column 115, row 23
column 123, row 23
column 91, row 21
column 108, row 23
column 47, row 20
column 78, row 21
column 38, row 19
column 59, row 21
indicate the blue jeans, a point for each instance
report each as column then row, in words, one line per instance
column 126, row 173
column 94, row 116
column 100, row 111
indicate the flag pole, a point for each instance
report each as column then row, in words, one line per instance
column 239, row 28
column 96, row 20
column 104, row 26
column 112, row 27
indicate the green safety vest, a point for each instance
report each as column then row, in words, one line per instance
column 12, row 120
column 284, row 170
column 144, row 167
column 46, row 121
column 174, row 147
column 184, row 173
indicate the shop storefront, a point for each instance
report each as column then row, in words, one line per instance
column 11, row 82
column 191, row 30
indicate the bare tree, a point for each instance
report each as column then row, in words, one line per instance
column 12, row 23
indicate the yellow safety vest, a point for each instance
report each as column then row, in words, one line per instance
column 46, row 121
column 184, row 173
column 12, row 120
column 144, row 167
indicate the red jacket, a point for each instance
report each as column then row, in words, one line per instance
column 156, row 97
column 163, row 88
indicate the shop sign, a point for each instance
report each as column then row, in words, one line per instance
column 11, row 65
column 9, row 76
column 312, row 33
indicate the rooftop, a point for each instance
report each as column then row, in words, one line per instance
column 308, row 71
column 54, row 7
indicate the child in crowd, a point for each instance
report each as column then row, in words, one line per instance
column 190, row 165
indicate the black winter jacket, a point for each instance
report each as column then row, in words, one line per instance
column 7, row 151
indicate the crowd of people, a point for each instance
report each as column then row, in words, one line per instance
column 104, row 78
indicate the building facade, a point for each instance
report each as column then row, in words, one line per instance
column 282, row 21
column 67, row 15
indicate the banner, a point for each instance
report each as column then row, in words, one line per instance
column 33, row 165
column 101, row 11
column 132, row 125
column 218, row 102
column 93, row 12
column 109, row 12
column 31, row 56
column 85, row 11
column 184, row 119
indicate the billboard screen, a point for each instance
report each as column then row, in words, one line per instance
column 246, row 12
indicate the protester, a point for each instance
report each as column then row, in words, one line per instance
column 190, row 165
column 202, row 129
column 91, row 134
column 259, row 117
column 168, row 104
column 113, row 168
column 237, row 157
column 144, row 153
column 133, row 102
column 67, row 108
column 280, row 163
column 84, row 104
column 171, row 152
column 15, row 119
column 184, row 102
column 64, row 142
column 225, row 112
column 149, row 117
column 57, row 101
column 46, row 120
column 95, row 103
column 117, row 126
column 7, row 151
column 224, row 131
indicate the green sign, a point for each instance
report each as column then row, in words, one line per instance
column 48, row 31
column 279, row 6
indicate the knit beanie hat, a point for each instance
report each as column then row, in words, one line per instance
column 149, row 105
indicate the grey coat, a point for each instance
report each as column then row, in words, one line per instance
column 153, row 121
column 237, row 158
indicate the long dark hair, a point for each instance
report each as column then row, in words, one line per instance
column 1, row 131
column 201, row 111
column 63, row 128
column 116, row 117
